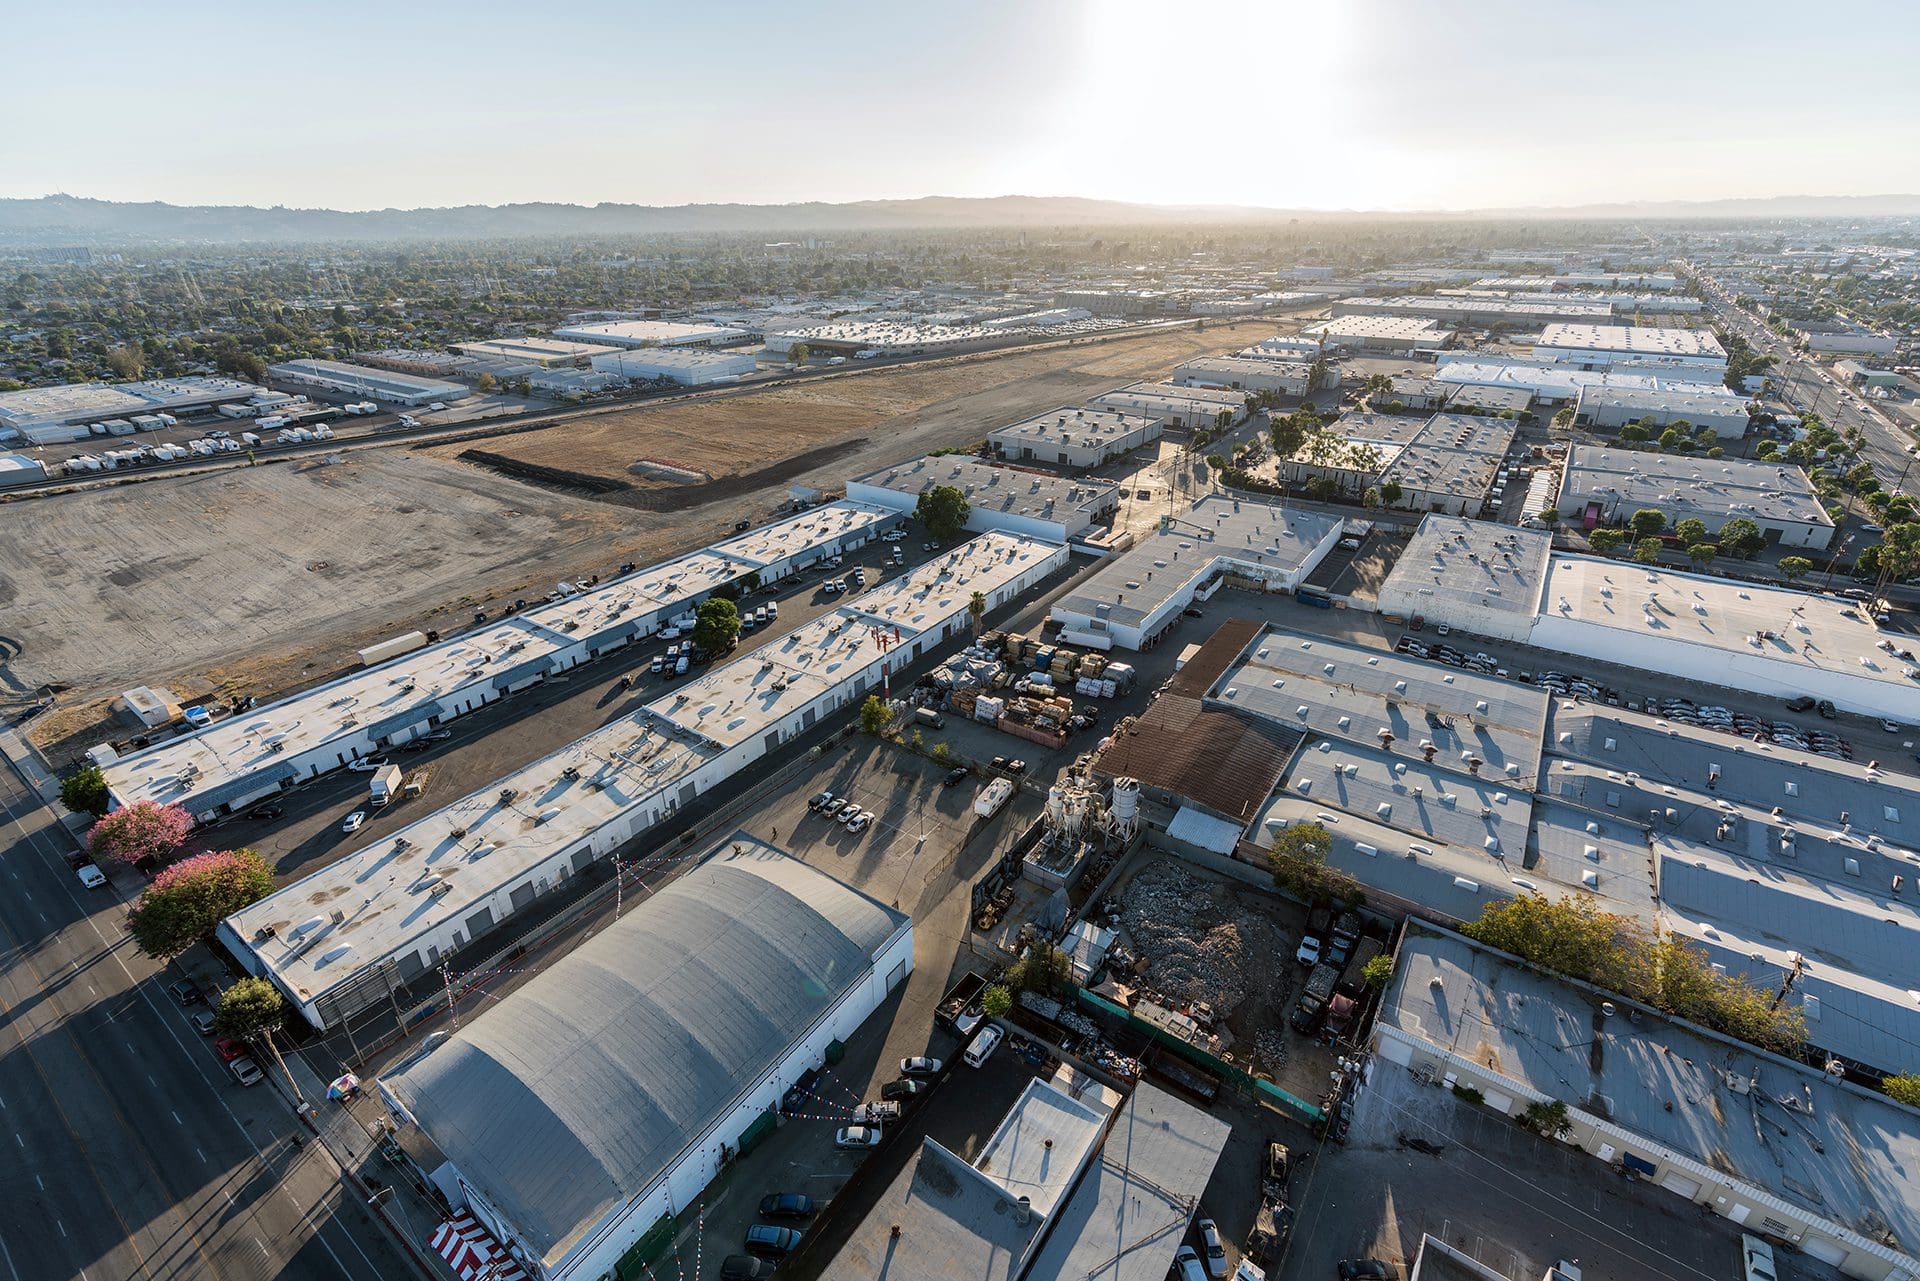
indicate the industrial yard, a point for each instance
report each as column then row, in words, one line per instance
column 823, row 430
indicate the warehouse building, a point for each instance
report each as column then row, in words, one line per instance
column 1282, row 377
column 1451, row 465
column 1553, row 383
column 1598, row 346
column 1125, row 303
column 690, row 367
column 1478, row 312
column 1281, row 347
column 1382, row 335
column 1701, row 405
column 60, row 415
column 654, row 333
column 1765, row 640
column 18, row 469
column 1778, row 1147
column 1472, row 575
column 341, row 939
column 242, row 759
column 1080, row 438
column 1179, row 408
column 605, row 1095
column 1607, row 486
column 1471, row 398
column 1353, row 452
column 1006, row 500
column 340, row 379
column 1138, row 595
column 548, row 353
column 1412, row 392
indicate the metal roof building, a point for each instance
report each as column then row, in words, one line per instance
column 341, row 378
column 1600, row 345
column 654, row 333
column 1082, row 437
column 1007, row 500
column 546, row 352
column 1609, row 485
column 1701, row 405
column 1475, row 575
column 1173, row 406
column 585, row 1106
column 1779, row 1148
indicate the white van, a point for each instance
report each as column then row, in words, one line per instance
column 985, row 1042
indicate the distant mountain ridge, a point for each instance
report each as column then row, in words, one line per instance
column 63, row 219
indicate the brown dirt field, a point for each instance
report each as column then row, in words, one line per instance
column 900, row 411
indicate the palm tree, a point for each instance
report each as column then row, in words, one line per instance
column 977, row 610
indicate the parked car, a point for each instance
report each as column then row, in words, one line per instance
column 185, row 992
column 860, row 821
column 856, row 1137
column 1186, row 1265
column 786, row 1205
column 1804, row 703
column 744, row 1267
column 902, row 1091
column 228, row 1049
column 742, row 526
column 264, row 812
column 1191, row 613
column 985, row 1042
column 368, row 763
column 767, row 1239
column 920, row 1065
column 1215, row 1252
column 1278, row 1170
column 1363, row 1270
column 955, row 776
column 245, row 1070
column 820, row 802
column 198, row 717
column 353, row 821
column 91, row 877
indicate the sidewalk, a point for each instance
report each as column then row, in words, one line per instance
column 351, row 1132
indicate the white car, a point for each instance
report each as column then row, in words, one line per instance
column 985, row 1042
column 91, row 876
column 1187, row 1265
column 367, row 763
column 859, row 821
column 857, row 1137
column 1215, row 1252
column 353, row 821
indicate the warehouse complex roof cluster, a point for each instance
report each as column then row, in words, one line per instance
column 1618, row 482
column 653, row 333
column 1007, row 499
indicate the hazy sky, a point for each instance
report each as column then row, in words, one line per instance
column 1398, row 104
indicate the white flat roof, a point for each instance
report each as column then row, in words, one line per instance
column 1083, row 425
column 1809, row 633
column 1132, row 585
column 633, row 333
column 1455, row 561
column 1637, row 339
column 384, row 890
column 1685, row 398
column 366, row 376
column 1713, row 489
column 1135, row 395
column 1247, row 365
column 1411, row 328
column 532, row 348
column 997, row 489
column 407, row 688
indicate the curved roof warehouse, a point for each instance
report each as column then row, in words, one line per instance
column 583, row 1107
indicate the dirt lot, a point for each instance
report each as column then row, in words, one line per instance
column 848, row 425
column 306, row 562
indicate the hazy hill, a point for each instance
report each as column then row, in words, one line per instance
column 65, row 219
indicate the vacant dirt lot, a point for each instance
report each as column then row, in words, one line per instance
column 874, row 417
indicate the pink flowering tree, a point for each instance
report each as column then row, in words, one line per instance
column 140, row 830
column 188, row 899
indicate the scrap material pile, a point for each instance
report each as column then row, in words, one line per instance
column 1199, row 947
column 1017, row 685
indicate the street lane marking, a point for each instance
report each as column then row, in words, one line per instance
column 176, row 1117
column 202, row 1155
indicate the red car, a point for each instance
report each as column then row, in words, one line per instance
column 229, row 1048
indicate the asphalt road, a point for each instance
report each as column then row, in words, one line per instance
column 135, row 1154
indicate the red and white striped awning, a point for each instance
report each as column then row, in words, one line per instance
column 472, row 1253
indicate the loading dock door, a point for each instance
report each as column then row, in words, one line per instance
column 1681, row 1184
column 1638, row 1164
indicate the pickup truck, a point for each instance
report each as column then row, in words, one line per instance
column 1315, row 938
column 959, row 1010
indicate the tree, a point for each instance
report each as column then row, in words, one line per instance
column 1900, row 551
column 1633, row 432
column 996, row 1001
column 1322, row 489
column 1691, row 530
column 85, row 791
column 716, row 625
column 486, row 383
column 798, row 353
column 1904, row 1088
column 874, row 714
column 1606, row 541
column 1298, row 860
column 249, row 1009
column 1795, row 567
column 977, row 610
column 1044, row 969
column 1390, row 492
column 1378, row 972
column 1548, row 1120
column 1646, row 551
column 1702, row 553
column 1741, row 537
column 1548, row 515
column 126, row 362
column 943, row 509
column 1370, row 498
column 185, row 902
column 1648, row 522
column 142, row 830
